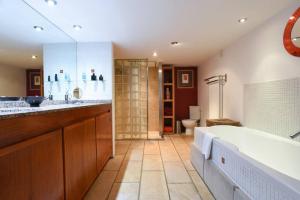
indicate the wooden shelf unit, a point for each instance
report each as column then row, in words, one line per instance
column 168, row 81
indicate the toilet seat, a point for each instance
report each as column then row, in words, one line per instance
column 189, row 120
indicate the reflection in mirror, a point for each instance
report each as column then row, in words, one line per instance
column 296, row 34
column 22, row 39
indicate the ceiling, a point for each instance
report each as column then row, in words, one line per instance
column 19, row 40
column 140, row 27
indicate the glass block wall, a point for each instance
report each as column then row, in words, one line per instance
column 131, row 99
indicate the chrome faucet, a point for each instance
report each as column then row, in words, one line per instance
column 295, row 135
column 67, row 98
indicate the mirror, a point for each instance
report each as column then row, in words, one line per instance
column 291, row 37
column 296, row 33
column 26, row 48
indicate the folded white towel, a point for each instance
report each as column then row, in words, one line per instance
column 203, row 139
column 206, row 144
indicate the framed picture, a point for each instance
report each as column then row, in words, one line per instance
column 35, row 81
column 185, row 79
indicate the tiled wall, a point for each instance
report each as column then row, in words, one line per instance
column 273, row 107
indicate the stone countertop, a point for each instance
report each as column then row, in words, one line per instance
column 20, row 109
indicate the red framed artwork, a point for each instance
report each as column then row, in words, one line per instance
column 185, row 79
column 34, row 82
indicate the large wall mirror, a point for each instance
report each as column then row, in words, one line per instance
column 24, row 34
column 291, row 38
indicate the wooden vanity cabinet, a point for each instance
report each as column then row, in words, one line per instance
column 80, row 158
column 104, row 138
column 33, row 169
column 39, row 163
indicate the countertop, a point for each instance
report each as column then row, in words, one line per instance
column 20, row 108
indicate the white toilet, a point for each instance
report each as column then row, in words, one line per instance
column 190, row 124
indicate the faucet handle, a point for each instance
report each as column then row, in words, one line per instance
column 295, row 135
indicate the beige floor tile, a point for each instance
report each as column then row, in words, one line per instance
column 183, row 192
column 125, row 142
column 122, row 148
column 186, row 156
column 124, row 191
column 170, row 157
column 176, row 173
column 152, row 162
column 188, row 165
column 153, row 186
column 134, row 154
column 101, row 188
column 152, row 150
column 154, row 135
column 151, row 142
column 114, row 163
column 130, row 171
column 200, row 185
column 137, row 144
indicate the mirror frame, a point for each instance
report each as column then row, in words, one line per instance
column 287, row 37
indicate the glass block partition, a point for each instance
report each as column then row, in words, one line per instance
column 131, row 99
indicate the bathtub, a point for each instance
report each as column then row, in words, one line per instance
column 248, row 164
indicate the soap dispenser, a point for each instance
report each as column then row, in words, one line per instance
column 56, row 77
column 93, row 77
column 101, row 78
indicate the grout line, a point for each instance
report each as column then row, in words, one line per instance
column 117, row 172
column 163, row 165
column 192, row 182
column 140, row 183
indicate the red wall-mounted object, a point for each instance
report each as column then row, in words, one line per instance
column 287, row 37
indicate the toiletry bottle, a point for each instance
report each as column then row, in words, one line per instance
column 101, row 78
column 168, row 93
column 93, row 77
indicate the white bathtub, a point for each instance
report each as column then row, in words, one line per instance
column 264, row 166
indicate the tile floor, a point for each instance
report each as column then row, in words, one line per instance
column 150, row 170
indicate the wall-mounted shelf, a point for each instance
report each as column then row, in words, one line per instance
column 168, row 84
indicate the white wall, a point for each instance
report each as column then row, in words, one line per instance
column 60, row 56
column 12, row 81
column 97, row 56
column 257, row 57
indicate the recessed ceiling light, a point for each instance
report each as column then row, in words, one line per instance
column 154, row 54
column 38, row 28
column 174, row 44
column 51, row 2
column 243, row 20
column 77, row 27
column 34, row 57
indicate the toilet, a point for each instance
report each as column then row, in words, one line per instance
column 190, row 124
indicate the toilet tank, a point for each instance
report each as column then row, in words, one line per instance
column 195, row 112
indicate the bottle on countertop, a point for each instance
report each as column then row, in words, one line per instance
column 93, row 77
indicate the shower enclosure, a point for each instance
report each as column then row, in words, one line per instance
column 131, row 99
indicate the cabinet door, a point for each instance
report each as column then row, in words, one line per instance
column 33, row 169
column 80, row 158
column 104, row 139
